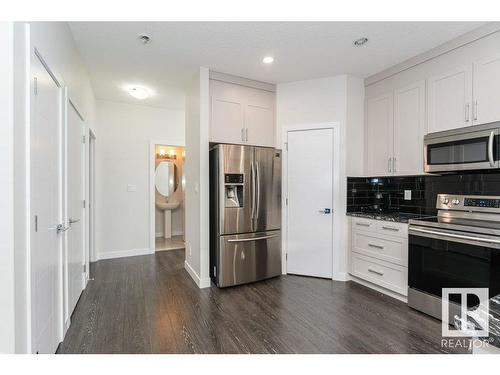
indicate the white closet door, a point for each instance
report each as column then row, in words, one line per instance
column 449, row 99
column 409, row 129
column 45, row 248
column 310, row 195
column 76, row 195
column 486, row 90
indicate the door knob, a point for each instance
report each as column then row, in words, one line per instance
column 73, row 221
column 326, row 211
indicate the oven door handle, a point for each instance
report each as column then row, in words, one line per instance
column 457, row 236
column 490, row 148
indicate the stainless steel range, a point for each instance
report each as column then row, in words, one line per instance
column 460, row 248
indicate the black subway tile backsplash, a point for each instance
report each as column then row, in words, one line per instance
column 386, row 194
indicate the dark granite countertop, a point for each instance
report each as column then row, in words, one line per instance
column 397, row 217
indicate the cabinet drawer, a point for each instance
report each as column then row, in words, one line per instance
column 385, row 274
column 388, row 248
column 363, row 224
column 392, row 228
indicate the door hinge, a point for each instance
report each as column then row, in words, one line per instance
column 84, row 203
column 215, row 271
column 84, row 268
column 35, row 85
column 83, row 139
column 286, row 256
column 286, row 201
column 286, row 146
column 36, row 223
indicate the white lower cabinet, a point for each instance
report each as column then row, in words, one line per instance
column 385, row 274
column 379, row 253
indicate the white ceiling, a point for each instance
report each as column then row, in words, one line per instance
column 302, row 50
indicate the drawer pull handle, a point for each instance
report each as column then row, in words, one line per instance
column 363, row 224
column 375, row 271
column 375, row 246
column 391, row 228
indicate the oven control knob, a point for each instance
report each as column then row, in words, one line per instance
column 455, row 202
column 446, row 201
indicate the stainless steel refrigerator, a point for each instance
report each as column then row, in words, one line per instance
column 245, row 214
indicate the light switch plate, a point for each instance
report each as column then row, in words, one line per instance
column 407, row 195
column 131, row 187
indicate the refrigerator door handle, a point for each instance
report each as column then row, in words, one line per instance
column 252, row 178
column 254, row 238
column 257, row 208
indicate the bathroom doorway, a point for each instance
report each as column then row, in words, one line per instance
column 168, row 192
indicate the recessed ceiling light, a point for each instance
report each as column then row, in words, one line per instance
column 139, row 92
column 144, row 39
column 360, row 42
column 268, row 60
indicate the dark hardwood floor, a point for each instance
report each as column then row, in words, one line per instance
column 149, row 304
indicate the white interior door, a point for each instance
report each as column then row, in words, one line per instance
column 46, row 271
column 76, row 196
column 310, row 196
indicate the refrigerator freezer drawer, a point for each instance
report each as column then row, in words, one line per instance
column 249, row 257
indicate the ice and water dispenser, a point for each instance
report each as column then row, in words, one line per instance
column 233, row 190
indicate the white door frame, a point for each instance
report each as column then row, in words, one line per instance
column 152, row 208
column 67, row 104
column 90, row 199
column 336, row 199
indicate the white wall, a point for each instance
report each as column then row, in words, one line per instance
column 7, row 299
column 331, row 99
column 122, row 158
column 197, row 190
column 55, row 43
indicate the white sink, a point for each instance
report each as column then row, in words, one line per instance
column 168, row 205
column 167, row 208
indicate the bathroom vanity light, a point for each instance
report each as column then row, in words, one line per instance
column 166, row 156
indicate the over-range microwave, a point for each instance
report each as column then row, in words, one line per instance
column 470, row 148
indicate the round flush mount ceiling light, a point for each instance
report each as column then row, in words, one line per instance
column 268, row 60
column 144, row 39
column 138, row 92
column 360, row 42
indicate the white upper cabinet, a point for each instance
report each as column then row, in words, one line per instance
column 379, row 134
column 259, row 117
column 486, row 105
column 449, row 100
column 241, row 114
column 226, row 122
column 409, row 129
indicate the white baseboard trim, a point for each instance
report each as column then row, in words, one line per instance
column 380, row 289
column 341, row 276
column 124, row 253
column 202, row 283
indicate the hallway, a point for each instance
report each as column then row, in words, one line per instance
column 149, row 304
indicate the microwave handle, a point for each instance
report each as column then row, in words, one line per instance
column 490, row 148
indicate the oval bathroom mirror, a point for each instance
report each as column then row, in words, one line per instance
column 165, row 178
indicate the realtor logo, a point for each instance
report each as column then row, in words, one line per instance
column 465, row 322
